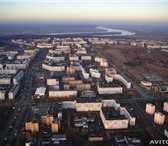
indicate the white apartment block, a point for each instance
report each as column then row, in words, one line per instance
column 97, row 106
column 18, row 77
column 44, row 45
column 95, row 73
column 86, row 57
column 58, row 52
column 150, row 108
column 62, row 94
column 24, row 56
column 109, row 90
column 8, row 71
column 165, row 107
column 113, row 124
column 55, row 59
column 103, row 62
column 52, row 82
column 90, row 106
column 159, row 118
column 17, row 66
column 14, row 91
column 1, row 66
column 73, row 58
column 63, row 47
column 118, row 77
column 81, row 52
column 84, row 73
column 2, row 95
column 53, row 68
column 108, row 78
column 5, row 81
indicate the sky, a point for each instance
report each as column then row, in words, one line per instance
column 84, row 11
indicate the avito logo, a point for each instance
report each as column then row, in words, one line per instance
column 158, row 142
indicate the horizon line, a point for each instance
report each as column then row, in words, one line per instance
column 85, row 1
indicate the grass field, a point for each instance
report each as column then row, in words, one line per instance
column 137, row 61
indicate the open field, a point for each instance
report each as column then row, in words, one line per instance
column 137, row 61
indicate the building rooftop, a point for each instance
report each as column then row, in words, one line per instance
column 5, row 76
column 40, row 91
column 111, row 114
column 87, row 100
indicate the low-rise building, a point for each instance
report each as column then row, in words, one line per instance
column 41, row 91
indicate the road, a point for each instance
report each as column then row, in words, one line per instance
column 24, row 104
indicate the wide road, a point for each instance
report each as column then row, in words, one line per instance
column 23, row 105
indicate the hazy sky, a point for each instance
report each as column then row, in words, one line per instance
column 136, row 11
